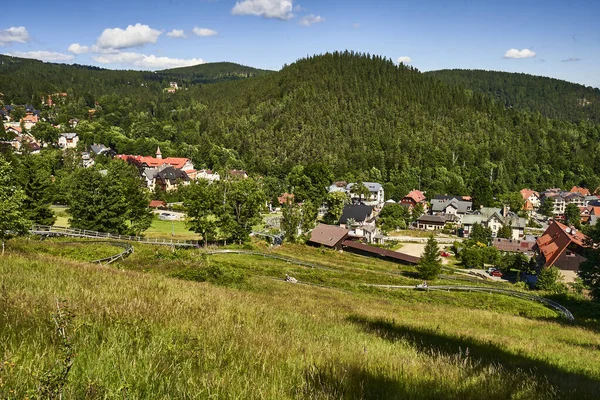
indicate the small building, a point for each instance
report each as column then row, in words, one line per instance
column 68, row 140
column 515, row 245
column 208, row 174
column 158, row 204
column 238, row 174
column 328, row 235
column 431, row 222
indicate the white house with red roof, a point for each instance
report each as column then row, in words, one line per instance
column 532, row 196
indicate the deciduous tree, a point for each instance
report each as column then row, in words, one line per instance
column 12, row 217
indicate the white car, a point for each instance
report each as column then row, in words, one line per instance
column 167, row 217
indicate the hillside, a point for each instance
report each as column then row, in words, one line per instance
column 550, row 97
column 25, row 80
column 367, row 117
column 212, row 72
column 178, row 323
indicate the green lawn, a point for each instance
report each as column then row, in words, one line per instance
column 170, row 230
column 62, row 217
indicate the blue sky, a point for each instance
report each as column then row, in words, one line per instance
column 560, row 39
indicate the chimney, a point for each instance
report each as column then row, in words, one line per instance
column 158, row 153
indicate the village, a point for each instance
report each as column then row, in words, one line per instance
column 542, row 229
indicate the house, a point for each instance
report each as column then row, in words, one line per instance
column 86, row 159
column 359, row 213
column 29, row 121
column 561, row 246
column 532, row 196
column 98, row 149
column 454, row 205
column 169, row 178
column 413, row 198
column 339, row 186
column 24, row 142
column 431, row 222
column 208, row 175
column 582, row 191
column 494, row 219
column 68, row 140
column 238, row 174
column 328, row 235
column 73, row 122
column 173, row 85
column 376, row 196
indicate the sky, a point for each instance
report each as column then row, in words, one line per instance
column 559, row 39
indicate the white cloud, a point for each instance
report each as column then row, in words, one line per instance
column 279, row 9
column 132, row 36
column 76, row 48
column 404, row 60
column 144, row 61
column 14, row 35
column 514, row 53
column 204, row 32
column 176, row 33
column 311, row 19
column 43, row 55
column 356, row 26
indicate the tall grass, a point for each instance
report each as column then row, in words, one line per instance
column 149, row 335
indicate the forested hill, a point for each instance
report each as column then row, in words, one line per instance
column 26, row 81
column 213, row 72
column 552, row 98
column 366, row 116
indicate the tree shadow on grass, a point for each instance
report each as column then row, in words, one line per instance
column 586, row 312
column 485, row 354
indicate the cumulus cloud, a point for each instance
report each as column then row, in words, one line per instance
column 570, row 59
column 132, row 36
column 43, row 55
column 176, row 33
column 14, row 34
column 514, row 53
column 278, row 9
column 204, row 32
column 144, row 61
column 404, row 60
column 311, row 19
column 76, row 48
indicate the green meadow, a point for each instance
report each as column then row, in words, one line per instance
column 171, row 323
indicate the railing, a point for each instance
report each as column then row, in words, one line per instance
column 109, row 260
column 45, row 230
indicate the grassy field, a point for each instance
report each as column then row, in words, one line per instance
column 170, row 230
column 170, row 323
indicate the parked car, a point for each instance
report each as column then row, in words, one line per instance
column 444, row 254
column 496, row 273
column 167, row 217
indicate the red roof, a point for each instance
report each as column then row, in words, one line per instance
column 416, row 195
column 157, row 203
column 526, row 193
column 556, row 239
column 580, row 190
column 527, row 206
column 176, row 162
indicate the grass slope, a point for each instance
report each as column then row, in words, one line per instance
column 138, row 332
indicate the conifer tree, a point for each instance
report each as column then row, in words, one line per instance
column 430, row 265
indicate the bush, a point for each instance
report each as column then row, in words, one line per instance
column 549, row 279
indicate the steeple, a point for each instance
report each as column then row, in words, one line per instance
column 158, row 153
